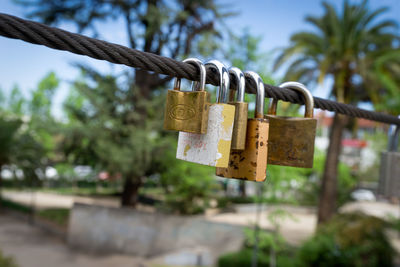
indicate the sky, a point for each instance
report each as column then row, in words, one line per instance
column 24, row 64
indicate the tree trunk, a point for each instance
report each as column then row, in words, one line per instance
column 1, row 187
column 130, row 191
column 328, row 193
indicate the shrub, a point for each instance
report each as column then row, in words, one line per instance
column 244, row 258
column 188, row 187
column 348, row 240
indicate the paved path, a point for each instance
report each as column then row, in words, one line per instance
column 52, row 200
column 31, row 247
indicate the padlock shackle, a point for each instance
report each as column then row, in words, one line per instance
column 309, row 99
column 241, row 85
column 197, row 86
column 393, row 134
column 223, row 89
column 251, row 75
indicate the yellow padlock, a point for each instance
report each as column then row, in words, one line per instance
column 187, row 111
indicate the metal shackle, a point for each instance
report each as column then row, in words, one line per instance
column 309, row 99
column 240, row 85
column 197, row 86
column 393, row 134
column 259, row 111
column 217, row 66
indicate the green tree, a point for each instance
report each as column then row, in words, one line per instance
column 26, row 139
column 170, row 28
column 344, row 46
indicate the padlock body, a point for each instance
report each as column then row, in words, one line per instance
column 250, row 163
column 240, row 125
column 187, row 111
column 389, row 174
column 291, row 141
column 212, row 148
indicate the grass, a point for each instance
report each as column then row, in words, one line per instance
column 58, row 216
column 8, row 204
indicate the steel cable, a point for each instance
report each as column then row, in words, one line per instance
column 41, row 34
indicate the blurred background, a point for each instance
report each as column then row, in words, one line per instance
column 88, row 176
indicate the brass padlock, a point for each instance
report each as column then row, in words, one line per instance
column 241, row 110
column 251, row 163
column 187, row 111
column 291, row 140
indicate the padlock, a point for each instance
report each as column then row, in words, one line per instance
column 212, row 148
column 187, row 111
column 251, row 163
column 389, row 173
column 241, row 110
column 291, row 140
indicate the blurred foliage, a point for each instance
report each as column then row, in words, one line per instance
column 28, row 131
column 301, row 186
column 270, row 242
column 6, row 261
column 309, row 191
column 348, row 240
column 188, row 187
column 106, row 131
column 351, row 240
column 244, row 258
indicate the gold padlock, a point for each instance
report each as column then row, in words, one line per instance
column 291, row 140
column 251, row 163
column 241, row 110
column 187, row 111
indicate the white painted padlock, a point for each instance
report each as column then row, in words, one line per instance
column 212, row 148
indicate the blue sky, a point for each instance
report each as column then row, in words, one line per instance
column 25, row 64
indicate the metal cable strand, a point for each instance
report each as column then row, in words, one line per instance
column 38, row 33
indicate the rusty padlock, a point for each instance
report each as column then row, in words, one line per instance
column 187, row 111
column 251, row 163
column 291, row 139
column 241, row 110
column 212, row 148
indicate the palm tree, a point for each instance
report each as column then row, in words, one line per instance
column 344, row 46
